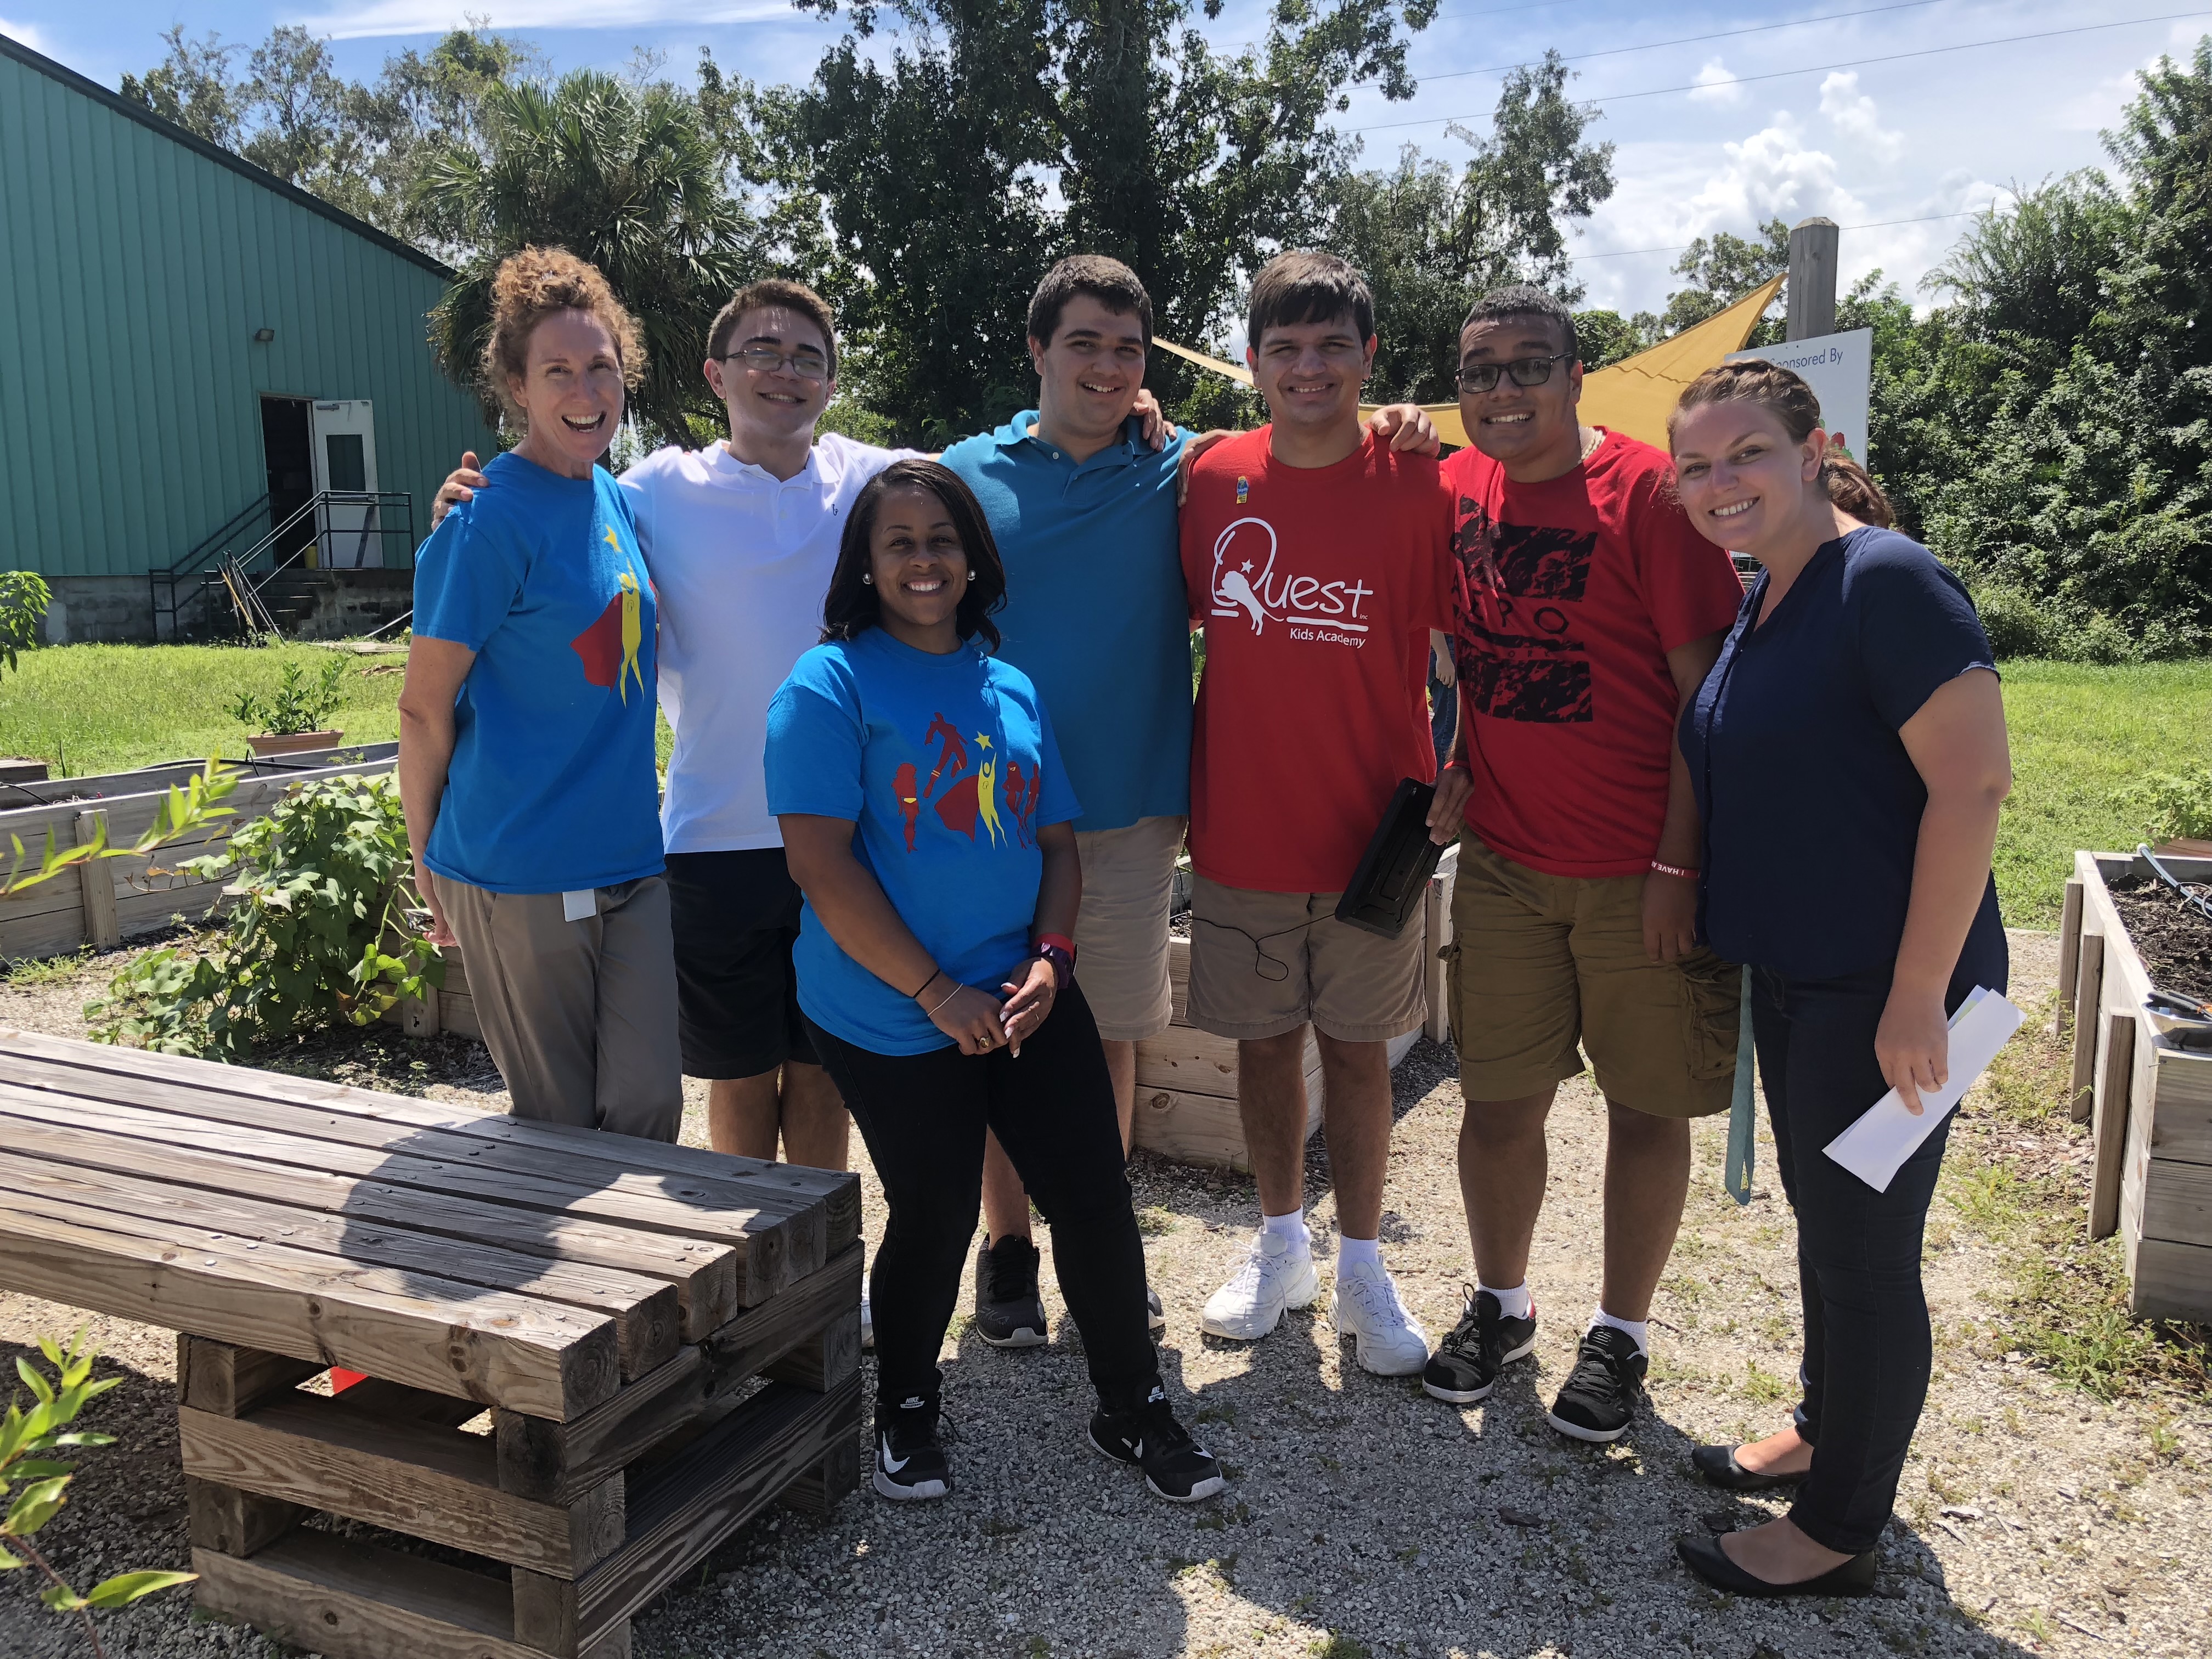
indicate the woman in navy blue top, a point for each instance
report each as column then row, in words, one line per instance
column 1849, row 754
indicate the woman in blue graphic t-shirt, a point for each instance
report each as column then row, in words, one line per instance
column 927, row 817
column 527, row 727
column 1849, row 755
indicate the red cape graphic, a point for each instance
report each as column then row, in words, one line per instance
column 957, row 806
column 600, row 645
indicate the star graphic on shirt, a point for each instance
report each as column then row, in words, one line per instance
column 982, row 741
column 1248, row 567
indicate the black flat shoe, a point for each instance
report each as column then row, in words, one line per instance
column 1718, row 1465
column 1705, row 1557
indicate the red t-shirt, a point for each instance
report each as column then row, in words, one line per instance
column 1317, row 586
column 1571, row 592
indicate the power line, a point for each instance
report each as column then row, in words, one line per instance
column 1878, row 224
column 1693, row 39
column 1817, row 68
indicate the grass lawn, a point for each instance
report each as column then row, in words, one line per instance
column 2081, row 736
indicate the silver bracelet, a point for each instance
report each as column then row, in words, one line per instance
column 948, row 997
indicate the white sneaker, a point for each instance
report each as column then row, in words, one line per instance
column 1278, row 1274
column 1388, row 1340
column 867, row 1321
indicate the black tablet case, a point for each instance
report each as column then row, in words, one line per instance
column 1394, row 872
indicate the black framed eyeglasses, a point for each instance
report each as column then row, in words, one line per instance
column 1525, row 371
column 805, row 362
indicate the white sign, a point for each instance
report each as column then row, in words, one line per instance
column 1839, row 368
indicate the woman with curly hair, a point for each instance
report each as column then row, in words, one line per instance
column 526, row 727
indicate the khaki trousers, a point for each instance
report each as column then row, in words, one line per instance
column 580, row 1015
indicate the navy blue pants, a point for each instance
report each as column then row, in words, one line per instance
column 923, row 1117
column 1868, row 1348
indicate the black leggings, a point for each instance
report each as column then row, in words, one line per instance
column 1867, row 1345
column 923, row 1117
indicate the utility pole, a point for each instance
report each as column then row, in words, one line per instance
column 1813, row 278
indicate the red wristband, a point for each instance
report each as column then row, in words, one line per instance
column 1061, row 940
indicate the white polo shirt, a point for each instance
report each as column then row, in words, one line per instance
column 740, row 561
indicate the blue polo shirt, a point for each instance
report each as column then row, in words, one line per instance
column 1095, row 613
column 1812, row 807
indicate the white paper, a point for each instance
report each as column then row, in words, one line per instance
column 1875, row 1147
column 579, row 904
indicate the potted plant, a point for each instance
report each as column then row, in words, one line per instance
column 290, row 722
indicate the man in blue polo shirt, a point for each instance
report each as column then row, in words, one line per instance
column 1084, row 512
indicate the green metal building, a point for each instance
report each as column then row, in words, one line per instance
column 200, row 363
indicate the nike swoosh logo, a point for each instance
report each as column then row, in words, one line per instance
column 893, row 1465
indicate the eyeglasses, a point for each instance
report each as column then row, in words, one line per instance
column 1525, row 371
column 805, row 362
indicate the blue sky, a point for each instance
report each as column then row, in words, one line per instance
column 1892, row 140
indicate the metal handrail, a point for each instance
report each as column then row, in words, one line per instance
column 384, row 513
column 207, row 553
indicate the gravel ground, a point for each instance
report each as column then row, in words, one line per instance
column 1363, row 1518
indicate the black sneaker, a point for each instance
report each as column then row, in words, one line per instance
column 1009, row 1314
column 909, row 1456
column 1464, row 1368
column 1601, row 1392
column 1176, row 1468
column 1156, row 1318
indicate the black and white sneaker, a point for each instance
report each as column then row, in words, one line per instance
column 1602, row 1391
column 1176, row 1468
column 1009, row 1313
column 1156, row 1318
column 909, row 1456
column 1465, row 1367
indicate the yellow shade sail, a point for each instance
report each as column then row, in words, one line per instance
column 1633, row 396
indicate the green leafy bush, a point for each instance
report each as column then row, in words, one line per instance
column 2179, row 805
column 24, row 597
column 25, row 1437
column 318, row 936
column 299, row 704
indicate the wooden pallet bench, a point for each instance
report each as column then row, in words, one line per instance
column 589, row 1358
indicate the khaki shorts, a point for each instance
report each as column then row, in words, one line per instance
column 1262, row 964
column 1121, row 931
column 1538, row 963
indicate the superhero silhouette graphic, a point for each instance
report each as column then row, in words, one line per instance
column 1014, row 801
column 987, row 802
column 609, row 646
column 910, row 799
column 955, row 753
column 1517, row 660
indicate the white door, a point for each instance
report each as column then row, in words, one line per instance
column 345, row 466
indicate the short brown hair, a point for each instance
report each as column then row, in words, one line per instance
column 1303, row 286
column 759, row 297
column 1109, row 281
column 532, row 285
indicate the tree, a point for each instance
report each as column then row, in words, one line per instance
column 621, row 175
column 193, row 87
column 1721, row 270
column 1430, row 241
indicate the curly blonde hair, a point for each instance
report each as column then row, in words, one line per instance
column 532, row 285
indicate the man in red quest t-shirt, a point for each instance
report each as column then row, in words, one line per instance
column 1317, row 561
column 1588, row 611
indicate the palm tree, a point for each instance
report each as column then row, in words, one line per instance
column 617, row 174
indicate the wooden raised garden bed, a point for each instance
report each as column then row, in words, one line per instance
column 107, row 900
column 2148, row 1099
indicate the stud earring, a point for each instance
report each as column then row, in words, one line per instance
column 867, row 577
column 971, row 575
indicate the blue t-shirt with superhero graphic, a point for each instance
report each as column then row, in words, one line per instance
column 551, row 787
column 947, row 766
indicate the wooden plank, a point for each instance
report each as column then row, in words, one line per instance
column 2178, row 1202
column 2182, row 1127
column 2115, row 1090
column 2171, row 1280
column 643, row 1309
column 2087, row 1027
column 546, row 1618
column 531, row 1356
column 731, row 1472
column 350, row 1601
column 2069, row 943
column 705, row 1275
column 428, row 1482
column 96, row 882
column 817, row 1491
column 235, row 1522
column 465, row 1176
column 374, row 1397
column 1184, row 1060
column 1207, row 1129
column 229, row 1380
column 823, row 1358
column 758, row 1338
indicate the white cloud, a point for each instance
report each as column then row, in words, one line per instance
column 27, row 34
column 383, row 18
column 1772, row 174
column 1717, row 85
column 1853, row 114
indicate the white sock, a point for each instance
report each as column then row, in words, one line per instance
column 1638, row 1329
column 1516, row 1303
column 1350, row 1252
column 1291, row 1226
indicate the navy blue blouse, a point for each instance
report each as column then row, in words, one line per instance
column 1811, row 805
